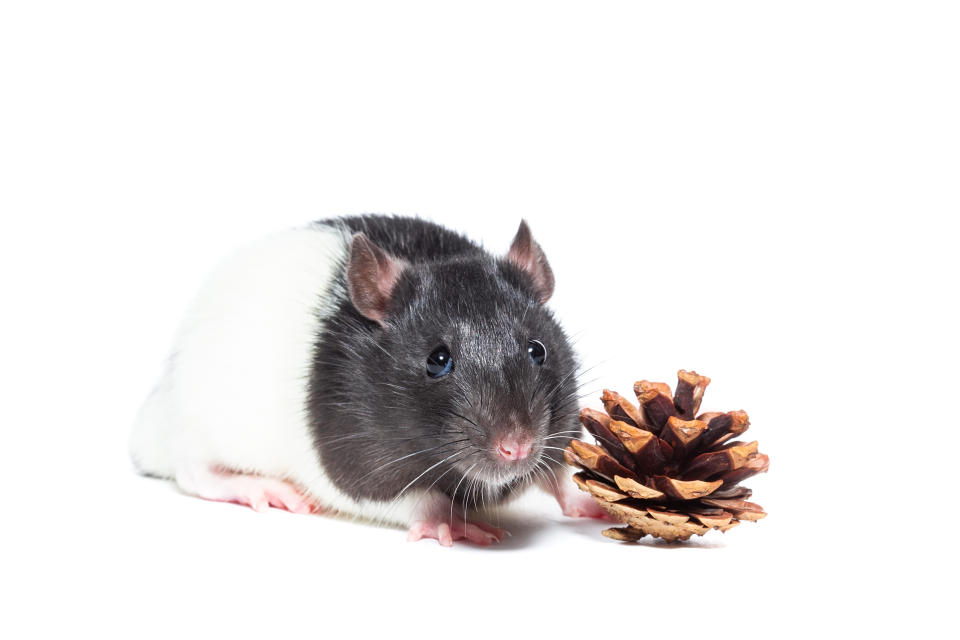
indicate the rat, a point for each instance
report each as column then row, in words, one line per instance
column 379, row 367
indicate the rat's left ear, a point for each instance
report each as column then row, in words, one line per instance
column 527, row 254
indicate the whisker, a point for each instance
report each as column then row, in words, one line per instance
column 427, row 470
column 453, row 465
column 569, row 436
column 454, row 498
column 410, row 455
column 554, row 448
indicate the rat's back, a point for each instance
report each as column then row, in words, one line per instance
column 410, row 239
column 233, row 390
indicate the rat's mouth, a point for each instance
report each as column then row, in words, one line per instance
column 513, row 455
column 484, row 484
column 497, row 473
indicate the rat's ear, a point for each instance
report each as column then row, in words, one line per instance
column 371, row 276
column 527, row 254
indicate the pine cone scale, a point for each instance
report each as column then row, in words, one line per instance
column 621, row 409
column 649, row 457
column 599, row 461
column 636, row 490
column 682, row 435
column 658, row 406
column 690, row 388
column 685, row 490
column 600, row 427
column 713, row 463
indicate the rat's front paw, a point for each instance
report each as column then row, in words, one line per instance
column 573, row 502
column 445, row 532
column 581, row 506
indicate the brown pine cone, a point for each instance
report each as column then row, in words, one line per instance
column 662, row 471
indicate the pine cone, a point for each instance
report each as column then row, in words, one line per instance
column 661, row 471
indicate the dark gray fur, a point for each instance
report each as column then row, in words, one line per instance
column 371, row 403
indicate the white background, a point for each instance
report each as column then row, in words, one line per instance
column 761, row 192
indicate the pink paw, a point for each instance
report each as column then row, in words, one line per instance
column 262, row 493
column 258, row 492
column 583, row 506
column 443, row 532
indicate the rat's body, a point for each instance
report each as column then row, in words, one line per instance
column 383, row 368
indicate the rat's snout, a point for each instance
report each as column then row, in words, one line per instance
column 514, row 447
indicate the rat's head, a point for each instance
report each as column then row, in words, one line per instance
column 469, row 361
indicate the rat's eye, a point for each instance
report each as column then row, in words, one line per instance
column 537, row 352
column 439, row 362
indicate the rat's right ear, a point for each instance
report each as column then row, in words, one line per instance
column 371, row 276
column 526, row 253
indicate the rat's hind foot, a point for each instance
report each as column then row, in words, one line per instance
column 445, row 532
column 258, row 492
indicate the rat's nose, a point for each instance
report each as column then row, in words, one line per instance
column 514, row 448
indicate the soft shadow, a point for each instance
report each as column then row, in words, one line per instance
column 657, row 543
column 592, row 528
column 523, row 532
column 524, row 528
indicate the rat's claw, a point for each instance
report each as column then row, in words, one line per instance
column 495, row 534
column 444, row 537
column 416, row 532
column 482, row 535
column 283, row 496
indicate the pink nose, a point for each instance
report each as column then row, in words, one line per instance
column 513, row 448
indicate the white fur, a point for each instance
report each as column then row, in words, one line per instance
column 233, row 393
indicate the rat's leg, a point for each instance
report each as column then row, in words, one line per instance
column 259, row 492
column 573, row 502
column 436, row 517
